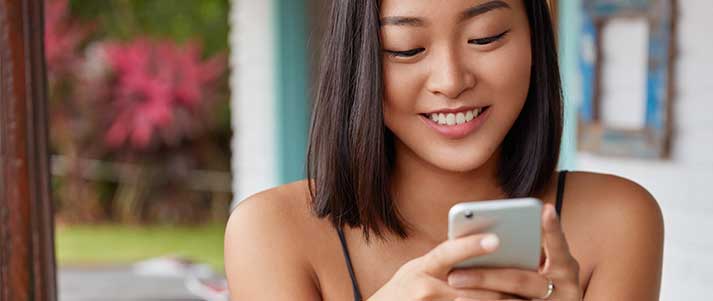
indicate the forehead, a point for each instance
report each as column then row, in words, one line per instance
column 434, row 8
column 424, row 13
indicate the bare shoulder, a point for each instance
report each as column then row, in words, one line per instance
column 612, row 204
column 617, row 227
column 613, row 199
column 273, row 208
column 266, row 245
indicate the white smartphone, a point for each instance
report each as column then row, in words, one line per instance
column 516, row 222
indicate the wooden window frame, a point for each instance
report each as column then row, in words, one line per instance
column 27, row 261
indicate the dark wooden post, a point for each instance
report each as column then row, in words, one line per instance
column 27, row 264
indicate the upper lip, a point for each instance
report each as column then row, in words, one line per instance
column 455, row 110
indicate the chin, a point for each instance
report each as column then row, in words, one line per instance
column 456, row 156
column 457, row 161
column 462, row 164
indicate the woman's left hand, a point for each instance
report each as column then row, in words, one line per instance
column 560, row 268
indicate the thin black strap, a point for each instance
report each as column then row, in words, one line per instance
column 348, row 259
column 560, row 191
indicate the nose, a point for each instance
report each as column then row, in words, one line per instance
column 449, row 76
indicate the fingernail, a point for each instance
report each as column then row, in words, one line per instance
column 490, row 242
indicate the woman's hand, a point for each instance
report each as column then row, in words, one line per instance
column 425, row 278
column 560, row 268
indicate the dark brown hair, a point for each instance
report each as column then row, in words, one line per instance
column 351, row 152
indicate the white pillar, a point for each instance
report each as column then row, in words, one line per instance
column 253, row 99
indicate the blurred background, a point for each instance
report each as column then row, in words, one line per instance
column 164, row 114
column 140, row 145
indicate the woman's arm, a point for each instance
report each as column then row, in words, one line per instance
column 262, row 259
column 632, row 248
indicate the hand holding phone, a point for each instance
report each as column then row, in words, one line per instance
column 516, row 222
column 426, row 277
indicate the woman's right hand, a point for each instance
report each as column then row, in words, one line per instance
column 426, row 278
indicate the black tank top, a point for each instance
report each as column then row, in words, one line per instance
column 355, row 286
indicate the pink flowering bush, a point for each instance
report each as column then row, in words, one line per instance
column 137, row 100
column 150, row 93
column 159, row 92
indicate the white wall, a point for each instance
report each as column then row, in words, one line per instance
column 252, row 84
column 683, row 185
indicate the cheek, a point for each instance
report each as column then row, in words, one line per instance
column 401, row 91
column 505, row 74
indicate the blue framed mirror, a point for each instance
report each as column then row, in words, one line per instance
column 651, row 139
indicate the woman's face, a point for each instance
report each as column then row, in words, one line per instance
column 456, row 76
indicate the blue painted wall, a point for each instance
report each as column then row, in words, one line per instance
column 292, row 93
column 570, row 20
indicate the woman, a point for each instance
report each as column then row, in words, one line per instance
column 422, row 105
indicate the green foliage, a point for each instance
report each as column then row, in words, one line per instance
column 205, row 20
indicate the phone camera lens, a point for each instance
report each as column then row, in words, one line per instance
column 469, row 214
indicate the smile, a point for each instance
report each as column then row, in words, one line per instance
column 455, row 118
column 456, row 125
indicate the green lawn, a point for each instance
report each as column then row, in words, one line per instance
column 121, row 244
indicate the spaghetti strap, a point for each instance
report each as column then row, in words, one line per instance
column 348, row 260
column 560, row 192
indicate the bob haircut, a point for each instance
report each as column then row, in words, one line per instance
column 350, row 154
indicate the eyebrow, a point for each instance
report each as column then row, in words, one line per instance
column 465, row 15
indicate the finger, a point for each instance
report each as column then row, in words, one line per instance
column 476, row 294
column 439, row 261
column 512, row 281
column 437, row 290
column 503, row 298
column 470, row 299
column 433, row 289
column 556, row 248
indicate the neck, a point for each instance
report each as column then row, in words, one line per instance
column 424, row 193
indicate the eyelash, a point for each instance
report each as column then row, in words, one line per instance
column 480, row 42
column 488, row 40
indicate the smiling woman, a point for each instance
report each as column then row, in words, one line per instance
column 450, row 74
column 422, row 106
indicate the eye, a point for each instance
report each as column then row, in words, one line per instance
column 407, row 53
column 488, row 40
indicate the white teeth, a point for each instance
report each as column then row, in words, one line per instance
column 460, row 118
column 456, row 118
column 469, row 116
column 451, row 119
